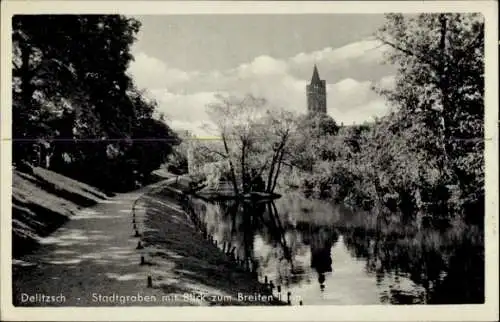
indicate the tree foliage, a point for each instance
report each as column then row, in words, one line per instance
column 426, row 156
column 71, row 90
column 254, row 139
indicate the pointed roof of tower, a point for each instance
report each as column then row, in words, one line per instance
column 315, row 77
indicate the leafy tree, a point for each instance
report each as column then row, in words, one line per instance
column 426, row 156
column 72, row 93
column 439, row 93
column 152, row 142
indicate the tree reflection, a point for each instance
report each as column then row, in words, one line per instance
column 449, row 273
column 292, row 247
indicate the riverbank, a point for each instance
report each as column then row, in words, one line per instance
column 196, row 265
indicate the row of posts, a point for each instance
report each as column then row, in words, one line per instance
column 269, row 287
column 138, row 235
column 139, row 244
column 247, row 264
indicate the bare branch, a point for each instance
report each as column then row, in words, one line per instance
column 214, row 151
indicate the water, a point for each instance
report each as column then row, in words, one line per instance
column 324, row 254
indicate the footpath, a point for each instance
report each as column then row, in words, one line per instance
column 93, row 260
column 89, row 261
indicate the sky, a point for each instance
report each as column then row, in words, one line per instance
column 182, row 61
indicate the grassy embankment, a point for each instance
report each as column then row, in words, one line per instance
column 42, row 201
column 197, row 265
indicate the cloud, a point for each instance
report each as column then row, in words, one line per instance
column 197, row 128
column 368, row 51
column 183, row 106
column 354, row 101
column 150, row 72
column 387, row 82
column 182, row 96
column 262, row 65
column 361, row 60
column 361, row 113
column 348, row 93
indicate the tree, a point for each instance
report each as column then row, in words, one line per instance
column 42, row 75
column 315, row 137
column 152, row 143
column 439, row 93
column 253, row 140
column 178, row 160
column 73, row 65
column 320, row 125
column 71, row 91
column 282, row 125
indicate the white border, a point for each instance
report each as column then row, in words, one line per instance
column 488, row 311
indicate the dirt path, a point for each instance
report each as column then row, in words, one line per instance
column 92, row 256
column 93, row 260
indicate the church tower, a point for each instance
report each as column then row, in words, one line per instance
column 316, row 94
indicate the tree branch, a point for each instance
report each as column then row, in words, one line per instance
column 231, row 166
column 215, row 152
column 408, row 52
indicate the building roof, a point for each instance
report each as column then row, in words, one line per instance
column 315, row 77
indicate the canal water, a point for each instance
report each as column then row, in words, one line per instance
column 325, row 254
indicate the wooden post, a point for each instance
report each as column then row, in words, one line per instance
column 254, row 266
column 288, row 298
column 150, row 282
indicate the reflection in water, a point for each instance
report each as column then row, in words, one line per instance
column 321, row 240
column 296, row 241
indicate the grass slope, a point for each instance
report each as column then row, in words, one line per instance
column 195, row 265
column 43, row 200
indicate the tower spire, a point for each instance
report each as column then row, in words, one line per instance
column 316, row 94
column 315, row 77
